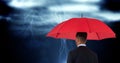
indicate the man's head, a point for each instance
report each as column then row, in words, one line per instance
column 81, row 38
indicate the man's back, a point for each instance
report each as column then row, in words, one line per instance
column 82, row 55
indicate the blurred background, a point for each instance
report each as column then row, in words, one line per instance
column 25, row 23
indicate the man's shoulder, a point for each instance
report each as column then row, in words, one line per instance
column 75, row 50
column 81, row 49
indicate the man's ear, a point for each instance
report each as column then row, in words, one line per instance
column 78, row 40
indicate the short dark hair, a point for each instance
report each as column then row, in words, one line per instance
column 82, row 36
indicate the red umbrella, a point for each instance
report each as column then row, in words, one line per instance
column 96, row 29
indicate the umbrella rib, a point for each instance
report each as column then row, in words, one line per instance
column 97, row 35
column 60, row 29
column 88, row 25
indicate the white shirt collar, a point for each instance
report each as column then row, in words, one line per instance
column 81, row 45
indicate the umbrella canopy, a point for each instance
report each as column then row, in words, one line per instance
column 96, row 29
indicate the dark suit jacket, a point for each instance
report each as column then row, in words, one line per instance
column 82, row 55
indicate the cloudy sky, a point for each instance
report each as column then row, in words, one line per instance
column 26, row 22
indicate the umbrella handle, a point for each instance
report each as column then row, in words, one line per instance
column 81, row 15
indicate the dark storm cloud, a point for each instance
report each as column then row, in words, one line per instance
column 111, row 5
column 4, row 8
